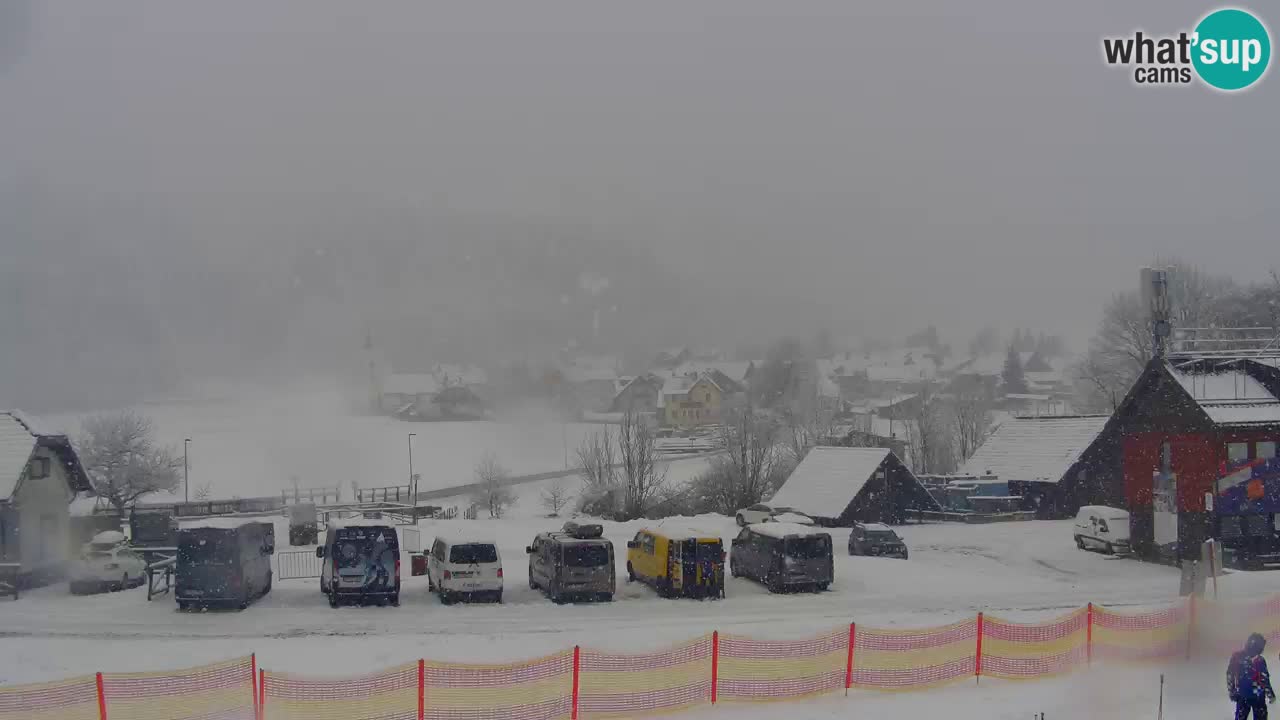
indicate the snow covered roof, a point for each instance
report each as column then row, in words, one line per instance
column 447, row 374
column 733, row 369
column 781, row 529
column 459, row 535
column 410, row 384
column 1229, row 395
column 220, row 523
column 19, row 437
column 676, row 385
column 828, row 479
column 1035, row 448
column 681, row 529
column 877, row 527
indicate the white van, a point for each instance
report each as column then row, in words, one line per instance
column 1102, row 528
column 465, row 568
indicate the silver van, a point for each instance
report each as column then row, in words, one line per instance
column 574, row 563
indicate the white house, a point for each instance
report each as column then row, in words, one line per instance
column 40, row 475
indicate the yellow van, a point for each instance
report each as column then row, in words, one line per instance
column 677, row 562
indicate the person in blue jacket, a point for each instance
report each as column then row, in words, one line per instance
column 1248, row 682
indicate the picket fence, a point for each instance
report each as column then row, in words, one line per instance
column 586, row 683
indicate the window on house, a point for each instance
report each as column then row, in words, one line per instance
column 39, row 468
column 1237, row 452
column 1265, row 450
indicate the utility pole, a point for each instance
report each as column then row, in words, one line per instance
column 413, row 483
column 186, row 472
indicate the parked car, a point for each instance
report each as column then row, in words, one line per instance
column 223, row 562
column 1102, row 528
column 783, row 556
column 363, row 563
column 466, row 569
column 759, row 513
column 876, row 539
column 677, row 562
column 107, row 562
column 576, row 562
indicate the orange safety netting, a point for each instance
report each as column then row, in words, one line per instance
column 1026, row 650
column 221, row 691
column 1144, row 636
column 914, row 659
column 538, row 689
column 781, row 669
column 72, row 699
column 391, row 694
column 613, row 684
column 585, row 683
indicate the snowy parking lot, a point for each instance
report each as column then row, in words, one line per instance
column 1017, row 570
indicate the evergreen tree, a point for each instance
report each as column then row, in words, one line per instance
column 1014, row 379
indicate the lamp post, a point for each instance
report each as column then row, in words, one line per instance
column 413, row 485
column 186, row 472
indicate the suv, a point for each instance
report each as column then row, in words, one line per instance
column 783, row 556
column 877, row 540
column 576, row 562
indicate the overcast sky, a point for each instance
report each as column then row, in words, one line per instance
column 883, row 165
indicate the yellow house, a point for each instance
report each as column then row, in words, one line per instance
column 689, row 402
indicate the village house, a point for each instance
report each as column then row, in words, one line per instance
column 641, row 394
column 408, row 392
column 40, row 475
column 689, row 401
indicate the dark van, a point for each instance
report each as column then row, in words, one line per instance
column 362, row 563
column 783, row 556
column 224, row 563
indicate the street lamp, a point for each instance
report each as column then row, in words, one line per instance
column 413, row 485
column 186, row 473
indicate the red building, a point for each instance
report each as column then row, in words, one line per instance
column 1198, row 439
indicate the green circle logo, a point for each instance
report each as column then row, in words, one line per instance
column 1232, row 49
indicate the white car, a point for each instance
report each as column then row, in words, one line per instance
column 107, row 563
column 759, row 513
column 460, row 568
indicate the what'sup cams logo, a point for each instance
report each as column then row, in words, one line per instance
column 1229, row 50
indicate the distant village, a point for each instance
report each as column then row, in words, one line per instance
column 889, row 397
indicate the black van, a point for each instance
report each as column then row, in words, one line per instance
column 224, row 564
column 783, row 556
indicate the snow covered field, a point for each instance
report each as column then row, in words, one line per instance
column 248, row 442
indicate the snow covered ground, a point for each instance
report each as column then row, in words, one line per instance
column 248, row 442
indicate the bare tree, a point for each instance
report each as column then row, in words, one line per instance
column 492, row 493
column 555, row 498
column 1122, row 346
column 805, row 428
column 971, row 417
column 123, row 461
column 750, row 468
column 642, row 481
column 597, row 465
column 929, row 435
column 203, row 492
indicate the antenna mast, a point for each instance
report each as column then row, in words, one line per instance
column 1155, row 291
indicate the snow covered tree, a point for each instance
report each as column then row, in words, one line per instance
column 642, row 481
column 492, row 492
column 124, row 463
column 749, row 469
column 555, row 498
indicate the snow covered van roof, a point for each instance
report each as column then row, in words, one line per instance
column 1040, row 449
column 828, row 478
column 220, row 523
column 680, row 530
column 782, row 530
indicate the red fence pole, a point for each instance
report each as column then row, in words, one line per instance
column 715, row 663
column 1088, row 636
column 253, row 681
column 422, row 689
column 977, row 661
column 262, row 694
column 848, row 670
column 1191, row 621
column 577, row 660
column 102, row 700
